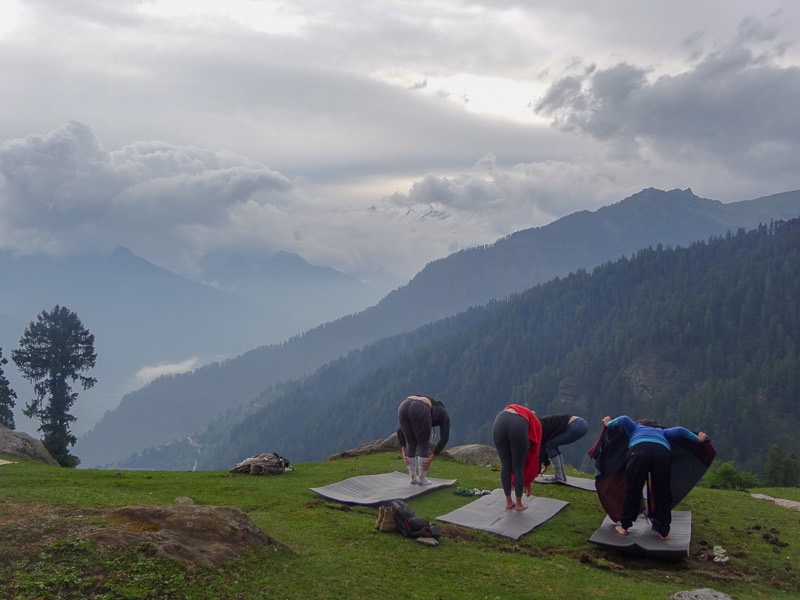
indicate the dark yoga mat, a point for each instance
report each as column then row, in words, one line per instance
column 642, row 540
column 374, row 489
column 489, row 513
column 583, row 483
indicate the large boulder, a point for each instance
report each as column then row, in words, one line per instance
column 470, row 454
column 700, row 594
column 389, row 444
column 17, row 443
column 474, row 454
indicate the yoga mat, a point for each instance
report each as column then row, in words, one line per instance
column 489, row 513
column 583, row 483
column 374, row 489
column 642, row 540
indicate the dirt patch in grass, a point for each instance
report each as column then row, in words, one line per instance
column 205, row 535
column 27, row 529
column 458, row 534
column 196, row 535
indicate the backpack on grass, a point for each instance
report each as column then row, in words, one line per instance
column 410, row 524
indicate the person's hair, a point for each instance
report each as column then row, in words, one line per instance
column 435, row 402
column 650, row 423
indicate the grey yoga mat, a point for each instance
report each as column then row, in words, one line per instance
column 489, row 513
column 374, row 489
column 642, row 540
column 583, row 483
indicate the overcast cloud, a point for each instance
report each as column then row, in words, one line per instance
column 380, row 135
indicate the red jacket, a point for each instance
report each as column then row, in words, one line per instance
column 535, row 439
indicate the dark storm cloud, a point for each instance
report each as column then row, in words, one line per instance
column 735, row 103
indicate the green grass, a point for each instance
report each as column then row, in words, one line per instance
column 334, row 552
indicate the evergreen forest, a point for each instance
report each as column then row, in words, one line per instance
column 704, row 336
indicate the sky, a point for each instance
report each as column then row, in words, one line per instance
column 375, row 137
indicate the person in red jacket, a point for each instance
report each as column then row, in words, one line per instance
column 517, row 435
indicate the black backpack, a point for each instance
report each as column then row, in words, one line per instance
column 410, row 524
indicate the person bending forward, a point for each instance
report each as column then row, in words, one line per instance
column 517, row 436
column 418, row 415
column 649, row 454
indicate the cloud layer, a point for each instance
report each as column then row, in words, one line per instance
column 376, row 136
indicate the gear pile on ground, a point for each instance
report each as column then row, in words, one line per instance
column 263, row 464
column 398, row 516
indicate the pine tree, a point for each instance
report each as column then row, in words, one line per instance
column 54, row 350
column 792, row 478
column 775, row 467
column 7, row 397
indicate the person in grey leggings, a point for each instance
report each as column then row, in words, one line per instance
column 418, row 415
column 517, row 435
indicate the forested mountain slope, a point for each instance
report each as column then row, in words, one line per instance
column 705, row 336
column 171, row 408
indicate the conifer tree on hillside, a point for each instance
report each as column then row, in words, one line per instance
column 54, row 350
column 7, row 397
column 781, row 469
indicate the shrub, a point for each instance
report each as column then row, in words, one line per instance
column 725, row 476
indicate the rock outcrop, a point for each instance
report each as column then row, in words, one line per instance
column 700, row 594
column 474, row 454
column 388, row 444
column 17, row 443
column 471, row 454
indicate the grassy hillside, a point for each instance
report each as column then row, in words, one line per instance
column 333, row 552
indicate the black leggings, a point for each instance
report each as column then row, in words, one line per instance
column 648, row 458
column 510, row 433
column 415, row 421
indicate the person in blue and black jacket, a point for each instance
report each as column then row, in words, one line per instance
column 649, row 453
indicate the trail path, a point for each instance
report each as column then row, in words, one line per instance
column 779, row 501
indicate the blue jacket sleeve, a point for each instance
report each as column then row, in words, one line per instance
column 673, row 433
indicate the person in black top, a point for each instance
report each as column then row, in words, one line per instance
column 558, row 430
column 418, row 415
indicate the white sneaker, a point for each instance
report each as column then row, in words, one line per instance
column 721, row 559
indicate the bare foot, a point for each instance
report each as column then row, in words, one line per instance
column 520, row 507
column 620, row 530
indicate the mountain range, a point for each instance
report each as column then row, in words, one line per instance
column 144, row 317
column 173, row 407
column 704, row 336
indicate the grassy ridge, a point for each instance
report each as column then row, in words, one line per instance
column 334, row 552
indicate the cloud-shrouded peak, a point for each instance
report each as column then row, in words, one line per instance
column 63, row 192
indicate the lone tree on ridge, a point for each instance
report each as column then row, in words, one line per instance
column 54, row 349
column 7, row 397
